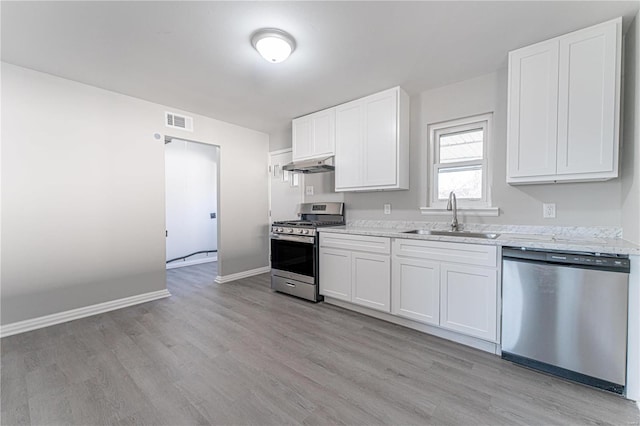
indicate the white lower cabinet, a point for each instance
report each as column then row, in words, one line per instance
column 335, row 273
column 416, row 289
column 450, row 285
column 356, row 269
column 371, row 280
column 469, row 300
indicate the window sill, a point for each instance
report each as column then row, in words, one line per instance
column 462, row 211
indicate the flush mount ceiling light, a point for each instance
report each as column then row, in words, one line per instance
column 274, row 45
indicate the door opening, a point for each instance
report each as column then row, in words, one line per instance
column 191, row 202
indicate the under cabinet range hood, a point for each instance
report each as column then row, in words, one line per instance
column 311, row 166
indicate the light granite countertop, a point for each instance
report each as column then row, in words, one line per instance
column 596, row 240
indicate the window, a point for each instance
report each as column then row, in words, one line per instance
column 458, row 160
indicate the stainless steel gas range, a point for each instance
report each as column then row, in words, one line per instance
column 294, row 249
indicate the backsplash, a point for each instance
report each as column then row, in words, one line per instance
column 559, row 231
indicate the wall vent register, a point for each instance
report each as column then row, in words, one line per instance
column 177, row 121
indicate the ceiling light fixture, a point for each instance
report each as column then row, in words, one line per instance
column 274, row 45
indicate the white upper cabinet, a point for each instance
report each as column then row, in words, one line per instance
column 314, row 135
column 564, row 107
column 372, row 143
column 588, row 96
column 349, row 159
column 533, row 110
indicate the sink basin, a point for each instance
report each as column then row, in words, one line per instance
column 466, row 234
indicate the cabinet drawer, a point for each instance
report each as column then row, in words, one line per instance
column 356, row 242
column 469, row 254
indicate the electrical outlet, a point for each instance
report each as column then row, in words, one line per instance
column 387, row 209
column 308, row 190
column 548, row 210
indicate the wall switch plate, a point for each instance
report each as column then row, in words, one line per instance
column 308, row 190
column 387, row 209
column 548, row 210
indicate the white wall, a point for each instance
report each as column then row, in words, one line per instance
column 191, row 196
column 281, row 139
column 631, row 136
column 578, row 204
column 83, row 194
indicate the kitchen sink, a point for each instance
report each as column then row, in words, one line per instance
column 466, row 234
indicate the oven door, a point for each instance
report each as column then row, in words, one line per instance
column 294, row 254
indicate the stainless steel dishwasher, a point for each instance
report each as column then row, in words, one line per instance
column 566, row 314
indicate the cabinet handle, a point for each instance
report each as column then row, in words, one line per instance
column 290, row 284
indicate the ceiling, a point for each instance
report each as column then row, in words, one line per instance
column 197, row 56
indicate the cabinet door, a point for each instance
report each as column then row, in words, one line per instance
column 324, row 132
column 335, row 273
column 532, row 111
column 302, row 141
column 415, row 289
column 587, row 136
column 380, row 165
column 349, row 140
column 371, row 281
column 468, row 300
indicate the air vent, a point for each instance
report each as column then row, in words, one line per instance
column 176, row 121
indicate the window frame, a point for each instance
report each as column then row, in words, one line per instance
column 437, row 130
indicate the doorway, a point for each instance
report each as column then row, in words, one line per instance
column 191, row 202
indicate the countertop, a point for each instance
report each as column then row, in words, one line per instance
column 541, row 241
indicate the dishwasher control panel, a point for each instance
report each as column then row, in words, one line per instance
column 595, row 259
column 608, row 261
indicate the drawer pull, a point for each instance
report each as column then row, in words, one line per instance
column 290, row 284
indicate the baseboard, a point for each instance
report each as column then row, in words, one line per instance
column 221, row 279
column 74, row 314
column 207, row 259
column 474, row 342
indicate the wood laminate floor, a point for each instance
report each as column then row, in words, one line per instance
column 236, row 353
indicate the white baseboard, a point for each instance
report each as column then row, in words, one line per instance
column 74, row 314
column 207, row 259
column 474, row 342
column 220, row 279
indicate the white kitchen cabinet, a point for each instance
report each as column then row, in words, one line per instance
column 335, row 273
column 314, row 135
column 371, row 280
column 450, row 285
column 372, row 143
column 468, row 300
column 533, row 110
column 416, row 289
column 564, row 107
column 356, row 269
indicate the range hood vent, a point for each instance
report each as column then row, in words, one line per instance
column 311, row 166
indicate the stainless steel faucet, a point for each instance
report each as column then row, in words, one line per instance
column 452, row 206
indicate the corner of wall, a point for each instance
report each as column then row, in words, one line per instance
column 280, row 139
column 630, row 139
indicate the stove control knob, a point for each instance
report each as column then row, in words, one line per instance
column 290, row 230
column 306, row 231
column 299, row 231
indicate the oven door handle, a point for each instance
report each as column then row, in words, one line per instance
column 295, row 238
